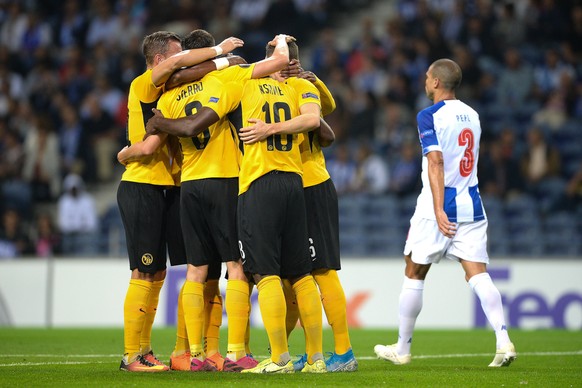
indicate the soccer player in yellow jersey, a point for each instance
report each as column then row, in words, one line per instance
column 323, row 227
column 144, row 196
column 270, row 192
column 208, row 206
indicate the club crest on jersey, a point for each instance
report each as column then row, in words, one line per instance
column 147, row 259
column 213, row 99
column 310, row 95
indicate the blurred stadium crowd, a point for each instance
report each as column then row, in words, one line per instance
column 65, row 68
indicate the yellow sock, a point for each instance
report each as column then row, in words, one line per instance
column 334, row 304
column 292, row 309
column 212, row 316
column 193, row 302
column 145, row 340
column 248, row 330
column 182, row 345
column 237, row 311
column 134, row 315
column 309, row 303
column 273, row 311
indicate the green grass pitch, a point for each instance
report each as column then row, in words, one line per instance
column 443, row 358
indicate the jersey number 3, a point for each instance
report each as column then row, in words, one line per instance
column 467, row 139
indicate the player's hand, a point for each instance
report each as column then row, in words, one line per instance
column 293, row 69
column 230, row 44
column 288, row 38
column 121, row 156
column 447, row 228
column 152, row 124
column 308, row 75
column 254, row 133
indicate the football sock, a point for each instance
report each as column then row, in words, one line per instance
column 145, row 340
column 237, row 311
column 409, row 306
column 309, row 303
column 490, row 298
column 193, row 302
column 273, row 311
column 248, row 330
column 212, row 316
column 292, row 309
column 182, row 345
column 333, row 299
column 134, row 315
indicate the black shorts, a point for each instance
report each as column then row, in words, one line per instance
column 323, row 225
column 174, row 237
column 273, row 227
column 143, row 211
column 208, row 218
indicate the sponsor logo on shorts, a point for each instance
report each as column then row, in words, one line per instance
column 147, row 259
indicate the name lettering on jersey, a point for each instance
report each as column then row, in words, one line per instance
column 190, row 90
column 270, row 89
column 463, row 118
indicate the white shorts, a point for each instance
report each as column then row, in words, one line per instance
column 428, row 245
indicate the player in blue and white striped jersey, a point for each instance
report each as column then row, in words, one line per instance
column 449, row 220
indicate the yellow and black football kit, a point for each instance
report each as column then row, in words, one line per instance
column 270, row 184
column 141, row 195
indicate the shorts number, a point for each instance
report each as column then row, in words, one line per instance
column 467, row 139
column 203, row 138
column 312, row 249
column 275, row 142
column 242, row 252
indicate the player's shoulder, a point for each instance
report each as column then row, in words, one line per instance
column 296, row 82
column 144, row 79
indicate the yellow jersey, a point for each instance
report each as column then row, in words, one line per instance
column 213, row 153
column 270, row 101
column 157, row 168
column 312, row 158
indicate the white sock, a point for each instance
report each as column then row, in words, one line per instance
column 409, row 306
column 490, row 298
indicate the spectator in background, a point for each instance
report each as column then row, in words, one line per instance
column 103, row 26
column 14, row 241
column 46, row 237
column 515, row 85
column 71, row 26
column 541, row 167
column 100, row 140
column 540, row 159
column 14, row 191
column 372, row 172
column 70, row 137
column 42, row 160
column 498, row 172
column 77, row 218
column 405, row 175
column 342, row 169
column 574, row 191
column 509, row 29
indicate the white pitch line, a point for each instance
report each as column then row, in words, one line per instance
column 435, row 356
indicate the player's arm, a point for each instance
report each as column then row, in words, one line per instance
column 188, row 126
column 325, row 134
column 436, row 178
column 141, row 149
column 164, row 70
column 308, row 120
column 275, row 62
column 193, row 73
column 327, row 101
column 294, row 69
